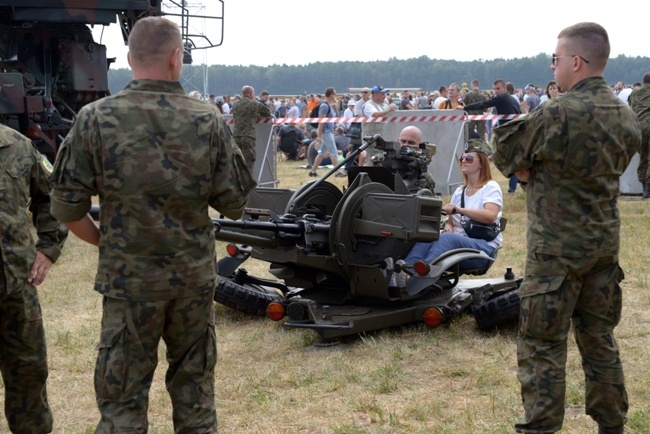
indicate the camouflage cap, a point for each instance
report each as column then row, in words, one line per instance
column 478, row 145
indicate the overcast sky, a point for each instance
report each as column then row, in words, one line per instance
column 297, row 32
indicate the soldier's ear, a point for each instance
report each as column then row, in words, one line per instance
column 176, row 59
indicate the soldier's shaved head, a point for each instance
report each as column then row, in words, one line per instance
column 152, row 41
column 589, row 40
column 248, row 91
column 410, row 136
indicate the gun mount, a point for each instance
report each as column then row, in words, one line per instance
column 318, row 237
column 334, row 252
column 50, row 65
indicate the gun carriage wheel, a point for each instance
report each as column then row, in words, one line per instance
column 323, row 198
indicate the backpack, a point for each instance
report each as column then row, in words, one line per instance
column 288, row 144
column 314, row 114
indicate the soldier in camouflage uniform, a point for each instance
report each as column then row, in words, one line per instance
column 23, row 358
column 571, row 152
column 246, row 112
column 157, row 159
column 639, row 100
column 473, row 96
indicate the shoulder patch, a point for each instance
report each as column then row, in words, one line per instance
column 46, row 165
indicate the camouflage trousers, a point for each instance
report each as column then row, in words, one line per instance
column 556, row 292
column 23, row 361
column 128, row 355
column 247, row 146
column 643, row 171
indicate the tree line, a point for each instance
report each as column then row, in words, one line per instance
column 422, row 72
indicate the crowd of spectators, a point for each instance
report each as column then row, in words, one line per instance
column 380, row 101
column 299, row 106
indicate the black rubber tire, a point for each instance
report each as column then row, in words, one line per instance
column 249, row 298
column 500, row 310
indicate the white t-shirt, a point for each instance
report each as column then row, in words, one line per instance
column 489, row 193
column 294, row 112
column 347, row 114
column 359, row 107
column 624, row 95
column 226, row 108
column 437, row 102
column 372, row 107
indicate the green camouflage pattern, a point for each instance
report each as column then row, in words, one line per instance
column 472, row 97
column 246, row 112
column 247, row 147
column 24, row 185
column 557, row 293
column 128, row 355
column 157, row 159
column 576, row 147
column 639, row 100
column 23, row 358
column 478, row 145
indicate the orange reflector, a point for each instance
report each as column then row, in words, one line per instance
column 432, row 317
column 275, row 311
column 232, row 250
column 421, row 267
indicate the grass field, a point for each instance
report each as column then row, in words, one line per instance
column 452, row 379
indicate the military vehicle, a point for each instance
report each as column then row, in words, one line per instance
column 50, row 65
column 333, row 253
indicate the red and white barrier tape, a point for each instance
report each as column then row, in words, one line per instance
column 386, row 119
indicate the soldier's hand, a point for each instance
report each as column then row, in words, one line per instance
column 523, row 175
column 41, row 267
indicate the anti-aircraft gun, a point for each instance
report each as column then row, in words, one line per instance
column 333, row 253
column 50, row 65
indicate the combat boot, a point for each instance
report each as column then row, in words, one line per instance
column 646, row 190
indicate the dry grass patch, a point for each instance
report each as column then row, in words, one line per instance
column 410, row 379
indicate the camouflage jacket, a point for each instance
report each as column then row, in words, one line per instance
column 24, row 184
column 246, row 112
column 157, row 159
column 576, row 147
column 639, row 100
column 472, row 97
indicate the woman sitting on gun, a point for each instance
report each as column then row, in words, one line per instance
column 483, row 203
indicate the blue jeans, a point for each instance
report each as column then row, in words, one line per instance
column 427, row 252
column 512, row 184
